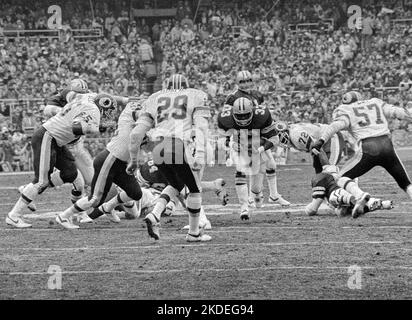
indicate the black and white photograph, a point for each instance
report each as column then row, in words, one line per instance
column 205, row 155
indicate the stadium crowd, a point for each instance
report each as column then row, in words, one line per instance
column 301, row 74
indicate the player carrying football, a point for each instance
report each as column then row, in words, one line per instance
column 172, row 113
column 366, row 121
column 81, row 115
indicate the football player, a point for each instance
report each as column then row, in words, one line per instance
column 83, row 160
column 302, row 135
column 245, row 89
column 367, row 122
column 172, row 113
column 324, row 187
column 82, row 114
column 252, row 133
column 109, row 167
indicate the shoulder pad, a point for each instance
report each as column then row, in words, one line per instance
column 225, row 123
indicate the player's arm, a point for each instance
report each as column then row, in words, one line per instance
column 341, row 122
column 269, row 134
column 143, row 124
column 201, row 116
column 390, row 111
column 86, row 122
column 121, row 100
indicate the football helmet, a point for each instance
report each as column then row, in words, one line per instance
column 282, row 129
column 176, row 82
column 244, row 81
column 79, row 86
column 351, row 97
column 107, row 106
column 243, row 111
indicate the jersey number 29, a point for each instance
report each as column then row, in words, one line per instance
column 176, row 110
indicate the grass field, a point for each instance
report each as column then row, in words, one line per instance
column 278, row 254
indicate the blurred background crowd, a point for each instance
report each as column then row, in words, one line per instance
column 302, row 54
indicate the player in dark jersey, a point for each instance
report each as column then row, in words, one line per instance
column 253, row 134
column 245, row 90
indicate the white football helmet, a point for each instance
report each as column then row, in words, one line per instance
column 282, row 129
column 243, row 111
column 177, row 82
column 351, row 97
column 78, row 85
column 244, row 81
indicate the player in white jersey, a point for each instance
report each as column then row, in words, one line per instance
column 110, row 167
column 367, row 122
column 172, row 113
column 81, row 115
column 302, row 135
column 83, row 159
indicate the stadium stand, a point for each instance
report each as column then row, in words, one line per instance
column 302, row 55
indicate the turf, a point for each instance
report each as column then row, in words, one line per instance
column 277, row 254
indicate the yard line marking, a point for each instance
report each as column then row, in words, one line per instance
column 244, row 244
column 215, row 229
column 196, row 270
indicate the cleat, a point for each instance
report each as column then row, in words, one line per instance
column 279, row 200
column 198, row 238
column 31, row 206
column 259, row 200
column 66, row 223
column 358, row 209
column 84, row 218
column 244, row 214
column 221, row 191
column 113, row 216
column 374, row 204
column 153, row 226
column 17, row 222
column 387, row 205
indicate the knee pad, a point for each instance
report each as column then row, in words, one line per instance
column 240, row 178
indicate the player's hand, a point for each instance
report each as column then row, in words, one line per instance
column 131, row 168
column 316, row 146
column 261, row 149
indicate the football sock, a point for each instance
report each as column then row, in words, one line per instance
column 29, row 193
column 272, row 183
column 194, row 203
column 350, row 186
